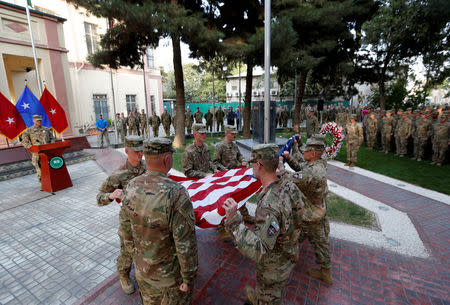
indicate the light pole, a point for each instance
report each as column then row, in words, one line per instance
column 266, row 70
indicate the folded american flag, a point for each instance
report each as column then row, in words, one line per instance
column 208, row 194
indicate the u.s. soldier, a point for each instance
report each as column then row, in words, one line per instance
column 311, row 179
column 157, row 220
column 273, row 245
column 36, row 135
column 354, row 138
column 112, row 189
column 196, row 160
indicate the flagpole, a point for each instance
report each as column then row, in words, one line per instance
column 144, row 54
column 33, row 46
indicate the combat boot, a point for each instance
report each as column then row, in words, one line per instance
column 251, row 295
column 352, row 164
column 127, row 284
column 321, row 274
column 347, row 164
column 439, row 164
column 419, row 159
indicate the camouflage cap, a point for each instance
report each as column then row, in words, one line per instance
column 37, row 117
column 135, row 143
column 315, row 142
column 157, row 146
column 391, row 110
column 201, row 128
column 264, row 152
column 400, row 110
column 416, row 111
column 409, row 109
column 353, row 116
column 230, row 129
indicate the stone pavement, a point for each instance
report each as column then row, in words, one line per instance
column 362, row 275
column 54, row 249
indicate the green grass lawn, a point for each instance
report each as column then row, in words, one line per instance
column 341, row 210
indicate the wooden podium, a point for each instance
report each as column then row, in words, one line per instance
column 54, row 174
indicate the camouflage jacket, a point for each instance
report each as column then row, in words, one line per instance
column 154, row 121
column 274, row 242
column 354, row 133
column 227, row 156
column 311, row 179
column 404, row 128
column 388, row 125
column 441, row 132
column 220, row 115
column 423, row 129
column 166, row 119
column 132, row 121
column 143, row 119
column 372, row 125
column 312, row 125
column 208, row 117
column 158, row 226
column 118, row 180
column 196, row 161
column 121, row 124
column 188, row 119
column 198, row 115
column 36, row 136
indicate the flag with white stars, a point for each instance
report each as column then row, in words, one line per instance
column 28, row 105
column 11, row 123
column 54, row 111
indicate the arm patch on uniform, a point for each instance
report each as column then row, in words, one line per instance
column 269, row 232
column 273, row 229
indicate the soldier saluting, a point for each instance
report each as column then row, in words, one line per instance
column 36, row 135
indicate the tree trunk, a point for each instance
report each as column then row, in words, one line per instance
column 301, row 84
column 180, row 139
column 248, row 99
column 382, row 95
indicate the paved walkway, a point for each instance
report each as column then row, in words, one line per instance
column 362, row 275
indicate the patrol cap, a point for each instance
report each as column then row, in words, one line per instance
column 416, row 111
column 315, row 142
column 400, row 110
column 230, row 129
column 135, row 143
column 201, row 128
column 158, row 146
column 353, row 116
column 264, row 152
column 37, row 117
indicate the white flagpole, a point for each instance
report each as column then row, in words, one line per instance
column 266, row 70
column 33, row 47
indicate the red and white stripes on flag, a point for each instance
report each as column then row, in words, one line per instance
column 208, row 194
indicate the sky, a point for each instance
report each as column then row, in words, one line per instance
column 164, row 54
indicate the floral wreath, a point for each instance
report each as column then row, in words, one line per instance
column 338, row 137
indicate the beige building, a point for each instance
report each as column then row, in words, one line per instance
column 76, row 35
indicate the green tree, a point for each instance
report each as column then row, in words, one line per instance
column 140, row 23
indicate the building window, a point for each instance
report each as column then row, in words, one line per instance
column 90, row 31
column 150, row 58
column 152, row 103
column 101, row 106
column 131, row 102
column 234, row 88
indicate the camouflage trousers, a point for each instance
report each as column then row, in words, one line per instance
column 155, row 131
column 439, row 150
column 163, row 296
column 385, row 141
column 132, row 130
column 124, row 260
column 220, row 125
column 144, row 132
column 270, row 282
column 402, row 145
column 318, row 236
column 104, row 135
column 209, row 126
column 35, row 160
column 189, row 129
column 285, row 123
column 352, row 151
column 371, row 137
column 167, row 130
column 419, row 147
column 122, row 134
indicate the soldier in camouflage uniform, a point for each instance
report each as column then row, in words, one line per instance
column 440, row 139
column 219, row 118
column 209, row 120
column 227, row 156
column 284, row 116
column 143, row 124
column 188, row 120
column 122, row 127
column 311, row 179
column 342, row 118
column 354, row 138
column 155, row 121
column 371, row 130
column 132, row 122
column 158, row 225
column 198, row 116
column 119, row 127
column 312, row 124
column 422, row 133
column 196, row 160
column 273, row 245
column 111, row 190
column 166, row 120
column 403, row 133
column 36, row 135
column 388, row 125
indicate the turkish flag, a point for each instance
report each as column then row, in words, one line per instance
column 11, row 123
column 54, row 111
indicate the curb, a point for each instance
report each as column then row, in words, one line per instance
column 94, row 293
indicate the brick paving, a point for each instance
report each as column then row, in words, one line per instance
column 362, row 275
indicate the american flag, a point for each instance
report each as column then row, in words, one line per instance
column 208, row 194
